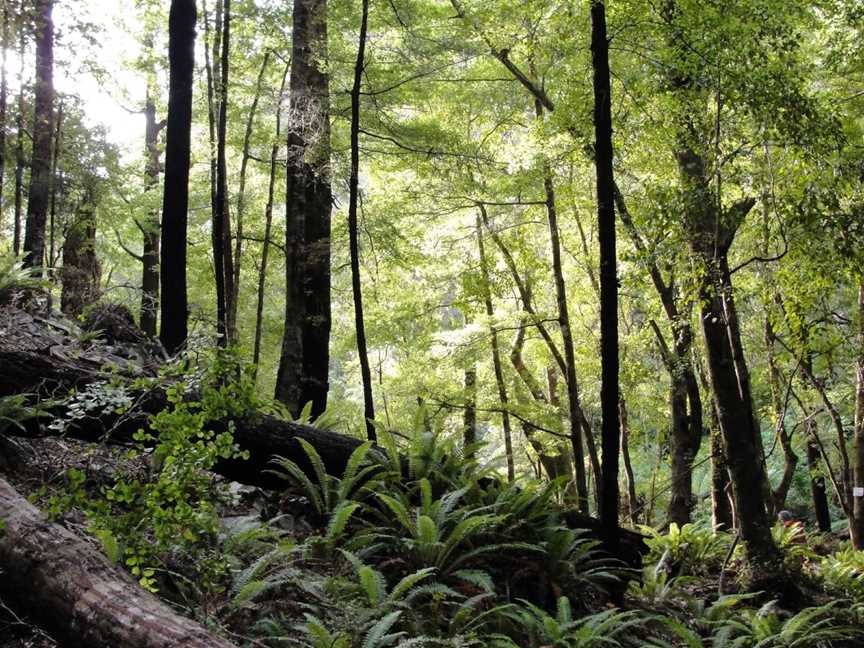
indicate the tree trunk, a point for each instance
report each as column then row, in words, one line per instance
column 75, row 592
column 55, row 181
column 305, row 359
column 790, row 459
column 20, row 161
column 817, row 481
column 175, row 204
column 268, row 226
column 496, row 354
column 632, row 500
column 609, row 391
column 43, row 132
column 4, row 88
column 81, row 269
column 241, row 191
column 151, row 227
column 721, row 509
column 222, row 261
column 354, row 242
column 469, row 422
column 858, row 459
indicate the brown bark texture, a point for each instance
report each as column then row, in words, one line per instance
column 71, row 589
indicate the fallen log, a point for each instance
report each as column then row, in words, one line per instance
column 261, row 435
column 72, row 590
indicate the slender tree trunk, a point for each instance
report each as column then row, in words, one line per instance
column 241, row 191
column 4, row 88
column 469, row 423
column 55, row 181
column 305, row 360
column 175, row 205
column 20, row 161
column 43, row 132
column 222, row 261
column 609, row 392
column 632, row 501
column 354, row 245
column 782, row 434
column 151, row 228
column 496, row 354
column 857, row 523
column 81, row 270
column 268, row 226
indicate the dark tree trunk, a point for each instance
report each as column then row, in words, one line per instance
column 496, row 354
column 175, row 204
column 305, row 358
column 4, row 88
column 222, row 262
column 43, row 133
column 609, row 392
column 20, row 160
column 81, row 270
column 817, row 481
column 268, row 227
column 71, row 589
column 241, row 191
column 55, row 186
column 150, row 228
column 721, row 508
column 354, row 236
column 469, row 422
column 632, row 500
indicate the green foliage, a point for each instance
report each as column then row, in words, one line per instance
column 15, row 279
column 691, row 548
column 843, row 573
column 16, row 409
column 170, row 516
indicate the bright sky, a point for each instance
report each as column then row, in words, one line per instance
column 107, row 102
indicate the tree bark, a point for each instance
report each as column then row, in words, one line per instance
column 354, row 242
column 20, row 160
column 721, row 509
column 469, row 422
column 222, row 261
column 632, row 500
column 43, row 132
column 175, row 204
column 151, row 227
column 305, row 360
column 4, row 89
column 817, row 480
column 55, row 181
column 609, row 391
column 496, row 354
column 241, row 190
column 81, row 269
column 75, row 592
column 790, row 459
column 268, row 226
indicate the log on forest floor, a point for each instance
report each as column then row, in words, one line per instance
column 262, row 436
column 70, row 588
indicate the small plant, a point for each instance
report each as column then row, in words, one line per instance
column 688, row 549
column 843, row 573
column 16, row 279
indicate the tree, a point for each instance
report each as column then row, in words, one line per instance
column 353, row 234
column 175, row 202
column 43, row 132
column 609, row 392
column 305, row 359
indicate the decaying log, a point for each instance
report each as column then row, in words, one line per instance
column 72, row 590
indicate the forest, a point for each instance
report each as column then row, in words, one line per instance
column 397, row 323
